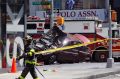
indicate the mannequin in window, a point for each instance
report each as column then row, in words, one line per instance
column 70, row 4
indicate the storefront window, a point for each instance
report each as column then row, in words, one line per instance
column 78, row 4
column 93, row 4
column 84, row 4
column 100, row 4
column 69, row 4
column 57, row 4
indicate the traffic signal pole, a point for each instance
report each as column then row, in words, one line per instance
column 110, row 60
column 52, row 14
column 25, row 17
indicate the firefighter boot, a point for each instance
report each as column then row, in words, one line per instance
column 20, row 77
column 36, row 78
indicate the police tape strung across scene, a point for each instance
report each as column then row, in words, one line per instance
column 68, row 47
column 19, row 40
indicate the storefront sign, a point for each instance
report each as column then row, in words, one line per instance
column 17, row 41
column 101, row 14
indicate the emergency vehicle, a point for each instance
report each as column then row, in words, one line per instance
column 95, row 31
column 35, row 26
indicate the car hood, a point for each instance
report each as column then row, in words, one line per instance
column 82, row 38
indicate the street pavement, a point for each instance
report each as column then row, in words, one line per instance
column 115, row 76
column 68, row 71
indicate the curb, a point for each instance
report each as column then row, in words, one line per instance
column 100, row 75
column 7, row 70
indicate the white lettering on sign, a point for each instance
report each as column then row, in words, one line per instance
column 18, row 41
column 78, row 14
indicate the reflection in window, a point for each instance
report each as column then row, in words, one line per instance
column 31, row 26
column 115, row 34
column 93, row 4
column 78, row 4
column 87, row 4
column 57, row 4
column 100, row 4
column 70, row 4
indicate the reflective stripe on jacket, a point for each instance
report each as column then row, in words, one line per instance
column 21, row 77
column 30, row 62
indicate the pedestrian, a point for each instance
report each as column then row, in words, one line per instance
column 29, row 56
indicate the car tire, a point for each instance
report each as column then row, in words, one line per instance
column 101, row 56
column 50, row 60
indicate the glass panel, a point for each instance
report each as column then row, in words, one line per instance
column 31, row 26
column 115, row 34
column 93, row 4
column 69, row 4
column 100, row 4
column 78, row 4
column 86, row 4
column 57, row 4
column 116, row 3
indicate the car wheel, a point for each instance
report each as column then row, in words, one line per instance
column 50, row 60
column 101, row 56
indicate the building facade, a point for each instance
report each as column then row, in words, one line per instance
column 11, row 27
column 116, row 6
column 12, row 19
column 80, row 9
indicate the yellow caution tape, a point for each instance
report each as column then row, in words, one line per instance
column 107, row 50
column 67, row 47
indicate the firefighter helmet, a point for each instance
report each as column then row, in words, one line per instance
column 28, row 39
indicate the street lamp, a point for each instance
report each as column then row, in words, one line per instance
column 110, row 60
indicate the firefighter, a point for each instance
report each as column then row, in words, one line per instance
column 29, row 57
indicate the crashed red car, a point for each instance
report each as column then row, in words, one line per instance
column 73, row 55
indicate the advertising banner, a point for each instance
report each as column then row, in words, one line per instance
column 101, row 14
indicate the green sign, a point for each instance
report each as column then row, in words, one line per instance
column 41, row 3
column 36, row 3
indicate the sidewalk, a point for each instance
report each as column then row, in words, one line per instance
column 70, row 71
